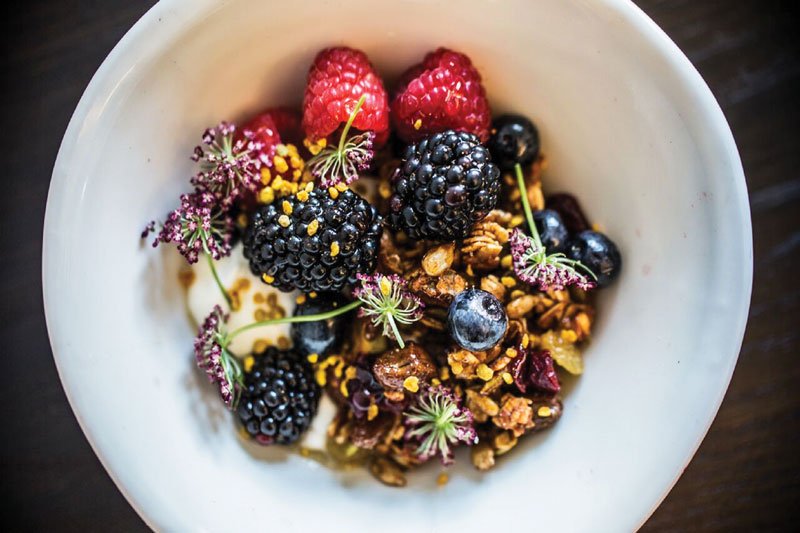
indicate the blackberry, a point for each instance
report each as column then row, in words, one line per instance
column 444, row 184
column 313, row 241
column 279, row 399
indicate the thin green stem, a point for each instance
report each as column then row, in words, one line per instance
column 219, row 282
column 396, row 332
column 350, row 120
column 526, row 206
column 291, row 319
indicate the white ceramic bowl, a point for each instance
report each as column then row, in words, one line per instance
column 628, row 125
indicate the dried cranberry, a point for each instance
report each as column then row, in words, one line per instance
column 570, row 210
column 534, row 369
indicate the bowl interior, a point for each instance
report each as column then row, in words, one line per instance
column 627, row 125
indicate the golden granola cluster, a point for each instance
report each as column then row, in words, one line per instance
column 559, row 321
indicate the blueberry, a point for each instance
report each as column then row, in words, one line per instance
column 514, row 140
column 598, row 253
column 477, row 320
column 552, row 230
column 321, row 336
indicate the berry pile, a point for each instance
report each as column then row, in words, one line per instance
column 473, row 293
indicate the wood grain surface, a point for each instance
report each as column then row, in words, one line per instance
column 746, row 475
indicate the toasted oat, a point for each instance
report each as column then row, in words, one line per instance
column 492, row 285
column 482, row 407
column 516, row 414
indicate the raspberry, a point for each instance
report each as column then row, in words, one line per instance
column 443, row 92
column 337, row 79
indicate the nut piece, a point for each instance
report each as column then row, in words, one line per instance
column 392, row 368
column 464, row 363
column 387, row 472
column 521, row 306
column 482, row 407
column 482, row 456
column 483, row 247
column 492, row 285
column 438, row 259
column 516, row 414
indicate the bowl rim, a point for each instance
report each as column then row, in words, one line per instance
column 183, row 13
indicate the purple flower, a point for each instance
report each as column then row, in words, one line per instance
column 438, row 422
column 213, row 358
column 387, row 302
column 229, row 165
column 534, row 266
column 342, row 163
column 198, row 226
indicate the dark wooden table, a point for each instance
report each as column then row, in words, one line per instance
column 746, row 475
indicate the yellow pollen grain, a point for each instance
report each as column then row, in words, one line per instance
column 249, row 361
column 296, row 163
column 508, row 281
column 350, row 373
column 569, row 335
column 506, row 261
column 511, row 352
column 296, row 174
column 266, row 278
column 444, row 373
column 321, row 377
column 260, row 345
column 544, row 411
column 313, row 358
column 282, row 150
column 372, row 411
column 456, row 367
column 526, row 340
column 341, row 187
column 597, row 227
column 334, row 192
column 418, row 124
column 280, row 163
column 313, row 226
column 507, row 378
column 287, row 207
column 260, row 314
column 516, row 220
column 338, row 370
column 442, row 479
column 386, row 286
column 411, row 383
column 470, row 272
column 484, row 372
column 277, row 183
column 300, row 300
column 266, row 175
column 334, row 248
column 284, row 221
column 241, row 220
column 309, row 186
column 312, row 294
column 436, row 382
column 343, row 389
column 302, row 196
column 283, row 342
column 385, row 189
column 266, row 196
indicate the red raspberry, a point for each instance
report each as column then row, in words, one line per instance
column 287, row 121
column 336, row 81
column 443, row 92
column 272, row 127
